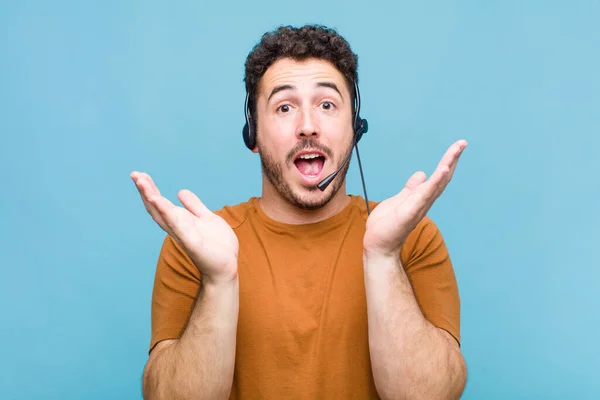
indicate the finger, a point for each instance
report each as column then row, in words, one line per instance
column 193, row 203
column 450, row 157
column 163, row 212
column 166, row 214
column 415, row 180
column 411, row 184
column 460, row 145
column 445, row 169
column 137, row 176
column 138, row 180
column 145, row 185
column 447, row 177
column 177, row 220
column 145, row 190
column 436, row 183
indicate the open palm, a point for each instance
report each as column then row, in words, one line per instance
column 393, row 219
column 207, row 238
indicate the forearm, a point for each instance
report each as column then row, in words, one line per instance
column 200, row 364
column 411, row 358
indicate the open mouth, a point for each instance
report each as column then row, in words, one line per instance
column 310, row 164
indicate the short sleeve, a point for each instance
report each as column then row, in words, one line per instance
column 429, row 269
column 176, row 286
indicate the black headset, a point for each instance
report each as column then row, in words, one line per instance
column 361, row 126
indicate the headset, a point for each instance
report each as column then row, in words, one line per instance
column 361, row 126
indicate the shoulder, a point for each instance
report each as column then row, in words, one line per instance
column 425, row 238
column 359, row 203
column 236, row 214
column 425, row 243
column 425, row 232
column 174, row 257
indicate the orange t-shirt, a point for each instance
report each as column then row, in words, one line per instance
column 302, row 325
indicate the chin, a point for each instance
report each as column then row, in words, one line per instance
column 310, row 197
column 307, row 203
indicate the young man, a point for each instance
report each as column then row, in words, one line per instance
column 301, row 293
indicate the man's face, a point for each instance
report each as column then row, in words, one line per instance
column 304, row 129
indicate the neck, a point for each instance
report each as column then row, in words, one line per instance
column 280, row 209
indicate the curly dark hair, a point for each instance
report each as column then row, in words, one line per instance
column 308, row 41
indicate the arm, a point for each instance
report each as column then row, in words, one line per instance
column 201, row 362
column 410, row 357
column 195, row 300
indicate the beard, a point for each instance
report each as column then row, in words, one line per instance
column 274, row 173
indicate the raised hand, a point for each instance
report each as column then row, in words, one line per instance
column 207, row 238
column 390, row 223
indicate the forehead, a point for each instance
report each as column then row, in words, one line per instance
column 301, row 73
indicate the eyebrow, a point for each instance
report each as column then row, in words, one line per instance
column 330, row 85
column 278, row 89
column 281, row 88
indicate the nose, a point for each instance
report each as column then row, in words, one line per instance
column 308, row 125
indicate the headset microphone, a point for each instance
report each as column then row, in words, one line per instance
column 325, row 182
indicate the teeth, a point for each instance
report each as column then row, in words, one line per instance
column 309, row 156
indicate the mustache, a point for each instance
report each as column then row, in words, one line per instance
column 305, row 144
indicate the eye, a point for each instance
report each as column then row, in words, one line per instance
column 327, row 105
column 283, row 108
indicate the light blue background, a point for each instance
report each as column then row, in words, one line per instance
column 90, row 91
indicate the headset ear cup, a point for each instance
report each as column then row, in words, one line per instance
column 362, row 126
column 248, row 135
column 248, row 131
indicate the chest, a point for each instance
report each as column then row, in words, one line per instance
column 301, row 290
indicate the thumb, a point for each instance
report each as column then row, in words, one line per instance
column 415, row 180
column 192, row 203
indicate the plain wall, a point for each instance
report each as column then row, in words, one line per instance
column 90, row 91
